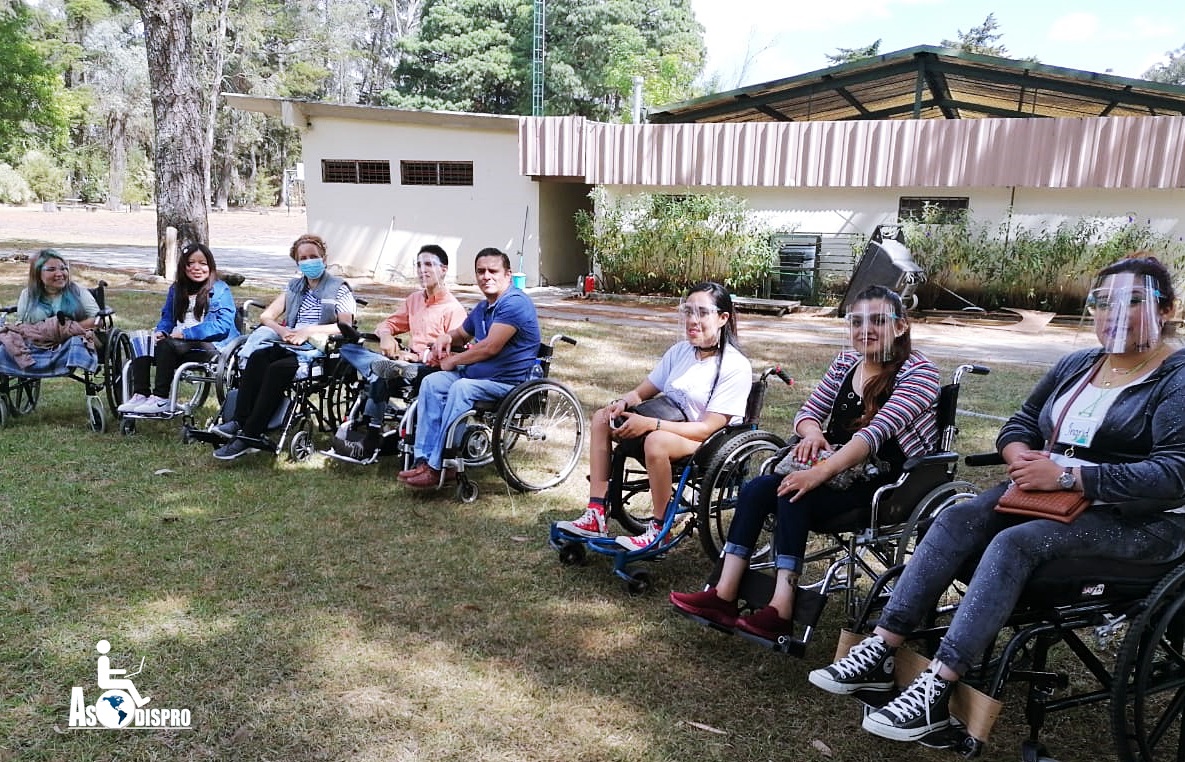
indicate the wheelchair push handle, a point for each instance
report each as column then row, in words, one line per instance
column 776, row 370
column 973, row 369
column 563, row 338
column 984, row 459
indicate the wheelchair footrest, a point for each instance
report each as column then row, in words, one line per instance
column 704, row 622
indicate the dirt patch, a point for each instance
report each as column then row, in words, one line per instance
column 28, row 227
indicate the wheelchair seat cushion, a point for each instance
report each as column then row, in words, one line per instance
column 1066, row 581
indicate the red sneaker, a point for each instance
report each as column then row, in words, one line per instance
column 766, row 623
column 708, row 605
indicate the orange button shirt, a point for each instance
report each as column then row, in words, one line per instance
column 425, row 320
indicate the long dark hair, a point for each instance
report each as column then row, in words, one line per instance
column 728, row 332
column 185, row 288
column 878, row 388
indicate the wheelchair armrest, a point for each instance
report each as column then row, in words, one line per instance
column 8, row 310
column 984, row 459
column 919, row 462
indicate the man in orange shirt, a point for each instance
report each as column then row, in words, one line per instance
column 424, row 315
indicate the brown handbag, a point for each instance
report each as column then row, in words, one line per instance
column 1060, row 505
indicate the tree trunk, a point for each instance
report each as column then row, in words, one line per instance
column 219, row 43
column 119, row 161
column 176, row 109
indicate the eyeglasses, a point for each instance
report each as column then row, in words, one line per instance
column 688, row 310
column 433, row 263
column 1106, row 300
column 878, row 319
column 62, row 269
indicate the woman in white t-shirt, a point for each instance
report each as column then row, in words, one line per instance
column 706, row 377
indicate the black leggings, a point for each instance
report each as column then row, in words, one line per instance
column 269, row 373
column 170, row 354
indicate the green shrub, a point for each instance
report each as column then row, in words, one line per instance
column 45, row 177
column 658, row 243
column 13, row 188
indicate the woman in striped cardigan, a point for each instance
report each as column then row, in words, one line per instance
column 878, row 398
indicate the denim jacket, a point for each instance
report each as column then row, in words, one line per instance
column 1140, row 443
column 217, row 325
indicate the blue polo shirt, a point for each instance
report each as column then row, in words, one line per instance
column 514, row 363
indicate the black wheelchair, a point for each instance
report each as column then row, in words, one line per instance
column 316, row 401
column 104, row 385
column 706, row 486
column 1074, row 618
column 861, row 543
column 534, row 435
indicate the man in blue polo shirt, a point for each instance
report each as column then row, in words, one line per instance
column 505, row 333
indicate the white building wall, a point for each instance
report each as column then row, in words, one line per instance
column 376, row 230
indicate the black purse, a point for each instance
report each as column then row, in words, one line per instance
column 661, row 407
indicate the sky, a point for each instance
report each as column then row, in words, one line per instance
column 752, row 41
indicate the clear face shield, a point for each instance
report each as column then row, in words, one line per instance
column 873, row 326
column 1126, row 311
column 699, row 321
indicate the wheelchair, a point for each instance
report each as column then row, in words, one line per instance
column 861, row 542
column 706, row 486
column 19, row 394
column 193, row 381
column 534, row 435
column 317, row 399
column 1074, row 618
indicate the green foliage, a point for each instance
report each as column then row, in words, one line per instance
column 980, row 39
column 45, row 176
column 30, row 113
column 13, row 188
column 847, row 55
column 655, row 243
column 1030, row 268
column 139, row 180
column 1171, row 71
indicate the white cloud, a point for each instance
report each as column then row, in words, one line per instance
column 1074, row 27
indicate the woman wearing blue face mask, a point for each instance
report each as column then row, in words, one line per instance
column 293, row 327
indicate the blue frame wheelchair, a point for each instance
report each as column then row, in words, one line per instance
column 19, row 394
column 534, row 435
column 863, row 542
column 706, row 486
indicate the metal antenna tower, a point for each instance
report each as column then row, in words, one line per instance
column 537, row 54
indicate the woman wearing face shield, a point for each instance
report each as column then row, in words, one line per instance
column 705, row 375
column 291, row 329
column 876, row 398
column 1121, row 442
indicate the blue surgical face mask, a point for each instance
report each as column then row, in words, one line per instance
column 312, row 268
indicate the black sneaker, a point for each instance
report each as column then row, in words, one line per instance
column 867, row 667
column 228, row 430
column 919, row 711
column 236, row 448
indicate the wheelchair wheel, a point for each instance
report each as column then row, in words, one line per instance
column 23, row 395
column 935, row 502
column 96, row 416
column 226, row 369
column 301, row 445
column 627, row 480
column 340, row 392
column 735, row 461
column 1148, row 690
column 116, row 354
column 539, row 434
column 3, row 412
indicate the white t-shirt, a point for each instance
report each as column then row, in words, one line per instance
column 688, row 381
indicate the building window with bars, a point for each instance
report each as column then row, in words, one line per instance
column 436, row 172
column 356, row 171
column 939, row 209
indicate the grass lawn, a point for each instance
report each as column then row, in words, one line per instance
column 322, row 612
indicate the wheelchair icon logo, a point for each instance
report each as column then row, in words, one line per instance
column 120, row 703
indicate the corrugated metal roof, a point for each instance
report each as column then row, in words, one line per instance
column 929, row 82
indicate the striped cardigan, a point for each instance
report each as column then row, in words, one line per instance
column 909, row 414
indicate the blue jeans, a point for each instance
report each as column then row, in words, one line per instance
column 1012, row 548
column 444, row 397
column 376, row 402
column 759, row 498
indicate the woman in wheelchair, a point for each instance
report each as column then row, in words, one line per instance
column 705, row 378
column 292, row 329
column 55, row 319
column 198, row 314
column 1121, row 443
column 875, row 399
